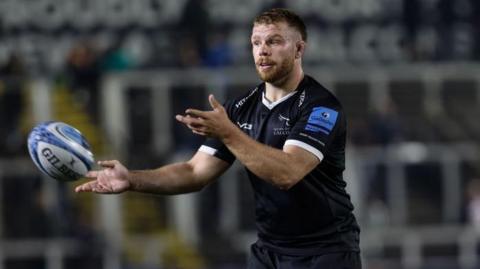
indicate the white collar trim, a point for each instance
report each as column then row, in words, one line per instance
column 271, row 105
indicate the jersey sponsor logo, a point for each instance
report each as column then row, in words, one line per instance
column 281, row 131
column 322, row 119
column 243, row 100
column 284, row 119
column 285, row 129
column 246, row 126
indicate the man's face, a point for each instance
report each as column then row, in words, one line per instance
column 274, row 47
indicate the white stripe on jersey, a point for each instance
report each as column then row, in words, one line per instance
column 305, row 146
column 208, row 150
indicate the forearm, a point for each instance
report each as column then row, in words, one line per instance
column 171, row 179
column 281, row 168
column 271, row 164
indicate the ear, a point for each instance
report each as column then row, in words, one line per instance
column 300, row 49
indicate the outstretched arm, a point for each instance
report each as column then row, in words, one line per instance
column 176, row 178
column 282, row 168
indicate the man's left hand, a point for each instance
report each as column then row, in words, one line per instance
column 213, row 123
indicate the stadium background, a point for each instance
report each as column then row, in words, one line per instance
column 406, row 71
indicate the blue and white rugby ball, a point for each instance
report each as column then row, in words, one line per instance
column 60, row 151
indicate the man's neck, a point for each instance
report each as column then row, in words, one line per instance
column 274, row 92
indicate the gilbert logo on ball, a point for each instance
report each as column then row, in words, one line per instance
column 60, row 151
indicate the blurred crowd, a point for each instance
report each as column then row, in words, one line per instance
column 199, row 39
column 203, row 35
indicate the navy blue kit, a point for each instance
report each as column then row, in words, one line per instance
column 311, row 225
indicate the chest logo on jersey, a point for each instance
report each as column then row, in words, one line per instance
column 284, row 119
column 245, row 126
column 285, row 129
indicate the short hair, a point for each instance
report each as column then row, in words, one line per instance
column 276, row 15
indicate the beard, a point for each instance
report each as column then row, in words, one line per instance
column 278, row 73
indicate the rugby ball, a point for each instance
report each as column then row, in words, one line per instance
column 60, row 151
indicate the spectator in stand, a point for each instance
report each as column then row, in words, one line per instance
column 218, row 52
column 411, row 22
column 194, row 26
column 473, row 205
column 12, row 79
column 475, row 21
column 445, row 29
column 83, row 75
column 385, row 125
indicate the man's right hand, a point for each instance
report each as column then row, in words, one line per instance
column 113, row 178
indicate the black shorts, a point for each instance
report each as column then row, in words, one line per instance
column 262, row 258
